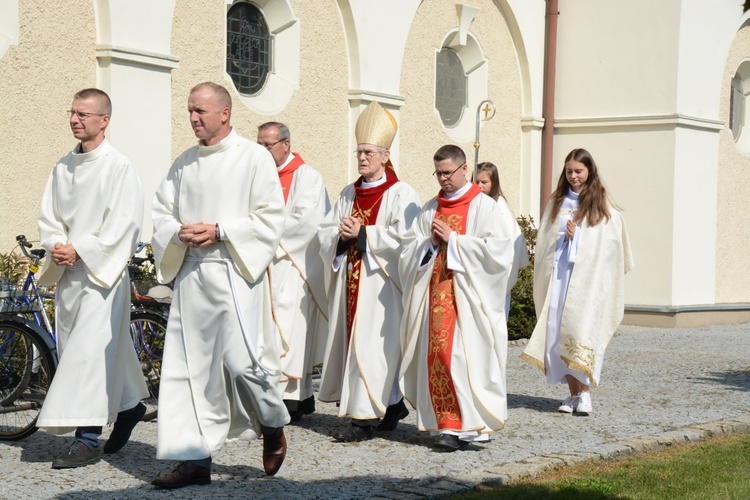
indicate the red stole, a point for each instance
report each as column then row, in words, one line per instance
column 365, row 209
column 286, row 174
column 444, row 314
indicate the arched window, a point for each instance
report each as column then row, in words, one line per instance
column 248, row 48
column 451, row 84
column 736, row 107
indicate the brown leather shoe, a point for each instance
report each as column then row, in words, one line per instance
column 185, row 474
column 274, row 450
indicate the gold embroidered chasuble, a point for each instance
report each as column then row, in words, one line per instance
column 361, row 356
column 443, row 315
column 365, row 210
column 475, row 364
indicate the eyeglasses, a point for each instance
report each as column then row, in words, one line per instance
column 440, row 175
column 368, row 154
column 269, row 145
column 82, row 116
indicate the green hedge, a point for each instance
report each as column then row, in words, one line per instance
column 522, row 316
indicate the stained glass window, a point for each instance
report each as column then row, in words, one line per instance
column 450, row 87
column 248, row 48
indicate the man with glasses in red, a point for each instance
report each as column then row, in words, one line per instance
column 300, row 306
column 90, row 222
column 360, row 245
column 456, row 258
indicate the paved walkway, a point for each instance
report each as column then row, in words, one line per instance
column 659, row 386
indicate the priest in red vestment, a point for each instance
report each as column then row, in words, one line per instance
column 457, row 257
column 360, row 243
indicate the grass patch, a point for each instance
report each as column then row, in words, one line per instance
column 718, row 468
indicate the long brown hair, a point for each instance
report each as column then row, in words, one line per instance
column 593, row 200
column 495, row 191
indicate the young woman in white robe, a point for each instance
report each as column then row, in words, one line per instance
column 583, row 253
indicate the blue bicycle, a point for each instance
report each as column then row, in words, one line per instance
column 28, row 355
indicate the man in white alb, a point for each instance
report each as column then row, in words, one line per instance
column 90, row 222
column 218, row 218
column 300, row 305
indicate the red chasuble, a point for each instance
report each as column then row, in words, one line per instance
column 443, row 316
column 286, row 174
column 365, row 210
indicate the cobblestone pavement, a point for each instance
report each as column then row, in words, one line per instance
column 658, row 386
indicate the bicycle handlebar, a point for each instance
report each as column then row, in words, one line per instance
column 35, row 255
column 21, row 239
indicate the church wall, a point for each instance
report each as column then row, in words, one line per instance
column 317, row 113
column 733, row 207
column 53, row 59
column 616, row 58
column 135, row 64
column 637, row 91
column 642, row 97
column 636, row 168
column 608, row 102
column 422, row 131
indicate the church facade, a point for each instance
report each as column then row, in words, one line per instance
column 655, row 90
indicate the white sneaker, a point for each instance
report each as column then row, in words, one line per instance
column 568, row 405
column 584, row 404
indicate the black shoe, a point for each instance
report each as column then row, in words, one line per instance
column 307, row 406
column 354, row 433
column 124, row 425
column 77, row 455
column 449, row 442
column 185, row 474
column 297, row 409
column 393, row 414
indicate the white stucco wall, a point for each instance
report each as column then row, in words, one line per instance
column 733, row 206
column 422, row 131
column 644, row 101
column 134, row 68
column 38, row 77
column 644, row 88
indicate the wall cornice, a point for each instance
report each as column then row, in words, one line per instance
column 137, row 56
column 666, row 121
column 357, row 95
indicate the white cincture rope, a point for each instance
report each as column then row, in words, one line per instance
column 240, row 316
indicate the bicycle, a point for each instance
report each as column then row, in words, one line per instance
column 28, row 355
column 148, row 325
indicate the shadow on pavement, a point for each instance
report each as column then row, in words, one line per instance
column 537, row 403
column 738, row 380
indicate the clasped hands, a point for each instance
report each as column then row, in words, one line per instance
column 349, row 228
column 64, row 254
column 441, row 232
column 198, row 235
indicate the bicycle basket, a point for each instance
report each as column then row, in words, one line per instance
column 19, row 301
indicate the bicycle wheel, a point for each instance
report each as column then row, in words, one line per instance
column 28, row 362
column 148, row 331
